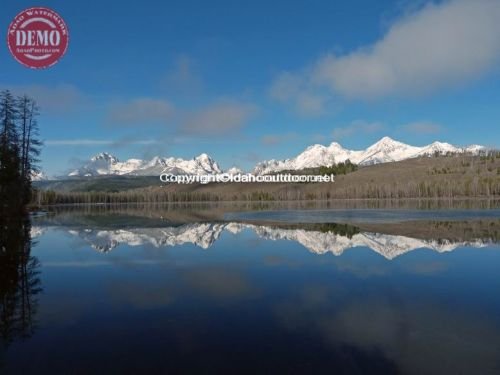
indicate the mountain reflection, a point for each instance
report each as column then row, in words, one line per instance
column 19, row 279
column 390, row 241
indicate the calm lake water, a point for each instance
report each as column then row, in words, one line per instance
column 152, row 291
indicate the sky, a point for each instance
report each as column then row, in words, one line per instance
column 256, row 80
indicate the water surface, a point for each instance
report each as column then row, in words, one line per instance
column 134, row 291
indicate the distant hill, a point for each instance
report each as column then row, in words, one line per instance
column 98, row 183
column 457, row 175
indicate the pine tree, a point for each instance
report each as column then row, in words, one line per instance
column 8, row 117
column 10, row 179
column 29, row 143
column 19, row 149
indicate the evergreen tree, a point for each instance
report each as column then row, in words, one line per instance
column 19, row 149
column 8, row 117
column 10, row 180
column 30, row 145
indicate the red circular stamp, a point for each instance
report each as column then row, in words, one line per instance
column 38, row 37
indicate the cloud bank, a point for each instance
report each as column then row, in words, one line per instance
column 357, row 127
column 96, row 142
column 423, row 127
column 219, row 118
column 437, row 46
column 59, row 99
column 141, row 111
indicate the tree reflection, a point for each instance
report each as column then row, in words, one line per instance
column 19, row 279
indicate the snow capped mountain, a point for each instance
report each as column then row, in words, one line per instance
column 105, row 157
column 99, row 164
column 107, row 164
column 384, row 151
column 313, row 156
column 38, row 176
column 234, row 171
column 474, row 149
column 440, row 148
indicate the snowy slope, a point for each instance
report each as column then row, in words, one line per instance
column 38, row 176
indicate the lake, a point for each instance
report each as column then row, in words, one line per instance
column 202, row 289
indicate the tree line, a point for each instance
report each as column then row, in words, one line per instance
column 470, row 187
column 19, row 149
column 339, row 168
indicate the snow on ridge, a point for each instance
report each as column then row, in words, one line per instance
column 384, row 151
column 107, row 164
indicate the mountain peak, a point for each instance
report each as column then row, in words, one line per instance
column 387, row 144
column 335, row 145
column 203, row 156
column 438, row 143
column 387, row 141
column 234, row 171
column 474, row 149
column 207, row 164
column 38, row 176
column 105, row 156
column 316, row 146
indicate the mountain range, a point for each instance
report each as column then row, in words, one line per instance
column 107, row 164
column 384, row 151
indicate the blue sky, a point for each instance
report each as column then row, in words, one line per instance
column 246, row 81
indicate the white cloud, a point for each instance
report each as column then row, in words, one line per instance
column 52, row 99
column 357, row 127
column 183, row 78
column 141, row 111
column 295, row 90
column 437, row 46
column 273, row 139
column 286, row 86
column 423, row 127
column 219, row 118
column 94, row 142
